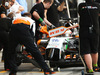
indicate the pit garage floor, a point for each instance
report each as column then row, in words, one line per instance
column 29, row 69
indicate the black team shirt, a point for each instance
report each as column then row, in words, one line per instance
column 89, row 12
column 52, row 14
column 39, row 8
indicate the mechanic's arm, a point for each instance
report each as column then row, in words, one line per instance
column 45, row 19
column 21, row 8
column 3, row 15
column 47, row 22
column 45, row 14
column 61, row 6
column 36, row 15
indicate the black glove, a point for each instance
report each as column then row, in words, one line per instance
column 43, row 23
column 52, row 27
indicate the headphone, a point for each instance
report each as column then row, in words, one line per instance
column 6, row 3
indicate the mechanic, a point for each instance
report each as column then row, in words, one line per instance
column 6, row 4
column 5, row 25
column 37, row 13
column 99, row 37
column 73, row 8
column 24, row 4
column 53, row 12
column 21, row 33
column 89, row 33
column 16, row 8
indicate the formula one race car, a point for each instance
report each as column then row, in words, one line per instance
column 61, row 48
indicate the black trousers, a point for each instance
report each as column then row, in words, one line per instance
column 20, row 33
column 99, row 53
column 99, row 45
column 4, row 41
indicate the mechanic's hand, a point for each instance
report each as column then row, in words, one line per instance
column 52, row 27
column 43, row 23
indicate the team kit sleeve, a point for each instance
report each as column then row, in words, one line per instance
column 37, row 8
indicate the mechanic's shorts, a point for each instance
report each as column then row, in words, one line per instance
column 89, row 44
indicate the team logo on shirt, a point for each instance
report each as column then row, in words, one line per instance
column 89, row 7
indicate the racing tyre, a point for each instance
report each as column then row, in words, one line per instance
column 62, row 55
column 52, row 54
column 56, row 55
column 19, row 59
